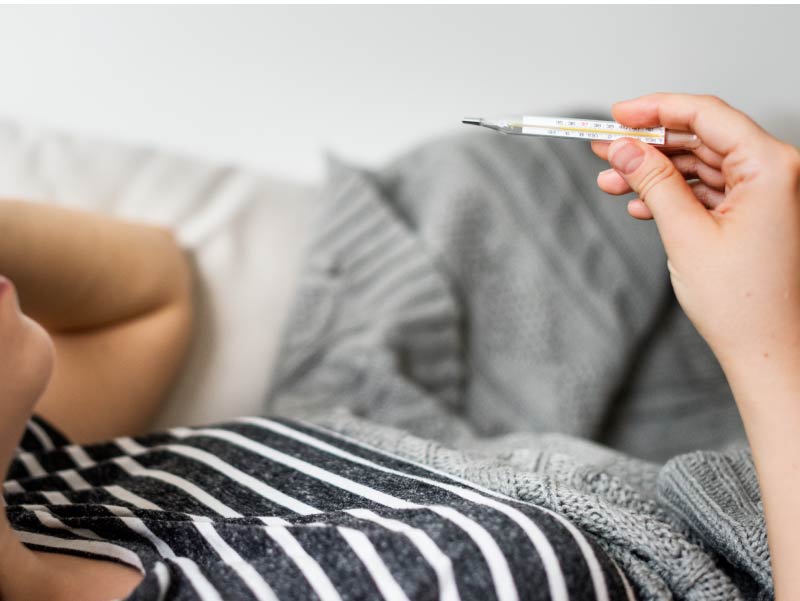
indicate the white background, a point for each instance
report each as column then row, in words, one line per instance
column 275, row 87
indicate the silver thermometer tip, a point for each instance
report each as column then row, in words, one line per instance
column 471, row 121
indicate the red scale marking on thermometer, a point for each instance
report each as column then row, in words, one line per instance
column 585, row 129
column 597, row 130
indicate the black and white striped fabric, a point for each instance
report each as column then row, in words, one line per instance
column 275, row 509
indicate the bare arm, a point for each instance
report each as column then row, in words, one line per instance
column 767, row 390
column 115, row 297
column 733, row 242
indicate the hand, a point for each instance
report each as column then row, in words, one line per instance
column 732, row 236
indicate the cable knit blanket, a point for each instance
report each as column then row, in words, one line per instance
column 480, row 307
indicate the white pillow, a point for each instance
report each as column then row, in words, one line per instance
column 246, row 233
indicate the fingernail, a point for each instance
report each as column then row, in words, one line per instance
column 606, row 171
column 626, row 158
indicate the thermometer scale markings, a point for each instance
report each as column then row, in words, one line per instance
column 595, row 130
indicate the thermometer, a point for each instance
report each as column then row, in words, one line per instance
column 586, row 129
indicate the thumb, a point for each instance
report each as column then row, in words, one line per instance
column 677, row 211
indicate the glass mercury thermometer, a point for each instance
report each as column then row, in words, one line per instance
column 586, row 129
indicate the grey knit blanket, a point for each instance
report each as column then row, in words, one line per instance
column 480, row 307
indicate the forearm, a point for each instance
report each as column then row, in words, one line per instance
column 729, row 216
column 767, row 390
column 76, row 270
column 116, row 299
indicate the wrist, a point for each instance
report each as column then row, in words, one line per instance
column 765, row 384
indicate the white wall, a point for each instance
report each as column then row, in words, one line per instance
column 275, row 86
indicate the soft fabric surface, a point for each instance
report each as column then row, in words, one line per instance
column 483, row 285
column 245, row 232
column 274, row 509
column 477, row 306
column 691, row 529
column 520, row 300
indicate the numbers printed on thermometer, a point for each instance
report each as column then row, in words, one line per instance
column 590, row 130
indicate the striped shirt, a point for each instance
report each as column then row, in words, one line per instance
column 276, row 509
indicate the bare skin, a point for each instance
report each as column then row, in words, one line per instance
column 26, row 574
column 108, row 293
column 114, row 301
column 732, row 236
column 114, row 297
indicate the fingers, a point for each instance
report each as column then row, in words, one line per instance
column 708, row 156
column 703, row 152
column 638, row 210
column 691, row 167
column 710, row 198
column 601, row 149
column 663, row 190
column 611, row 182
column 721, row 127
column 688, row 165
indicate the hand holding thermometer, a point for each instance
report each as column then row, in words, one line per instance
column 587, row 130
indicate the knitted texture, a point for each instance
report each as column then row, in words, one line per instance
column 482, row 285
column 480, row 295
column 701, row 538
column 716, row 498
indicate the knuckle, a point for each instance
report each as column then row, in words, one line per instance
column 793, row 158
column 715, row 100
column 687, row 163
column 654, row 177
column 700, row 190
column 794, row 168
column 782, row 160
